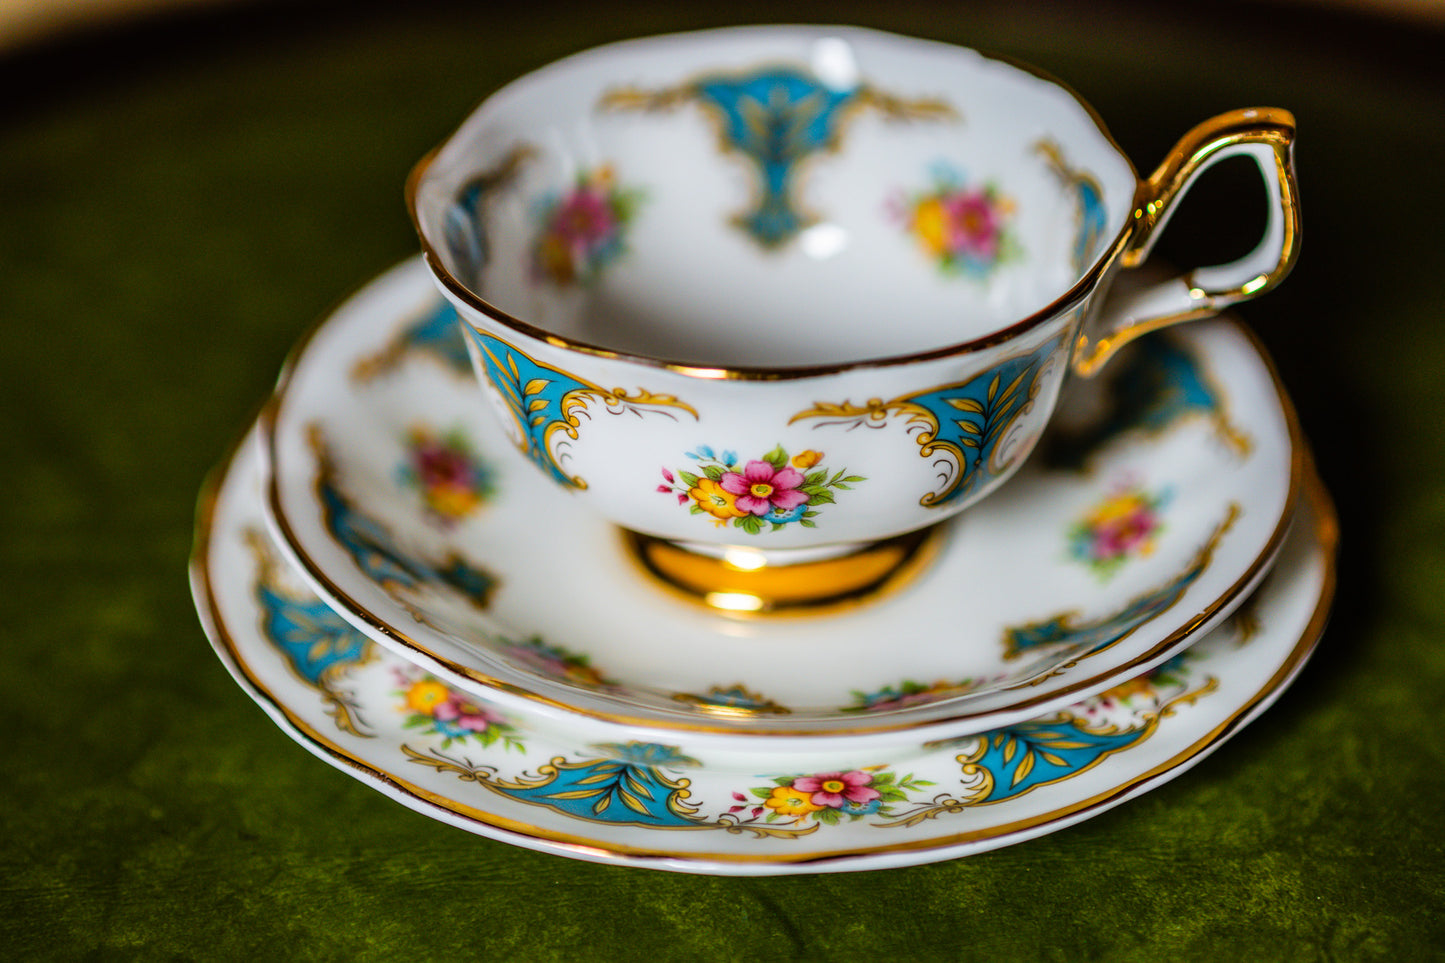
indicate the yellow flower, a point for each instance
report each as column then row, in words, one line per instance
column 787, row 801
column 716, row 501
column 424, row 696
column 807, row 459
column 554, row 259
column 1117, row 507
column 452, row 501
column 930, row 223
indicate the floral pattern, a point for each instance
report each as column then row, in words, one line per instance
column 828, row 797
column 909, row 693
column 436, row 709
column 452, row 479
column 1124, row 525
column 732, row 700
column 378, row 553
column 774, row 490
column 582, row 230
column 554, row 662
column 964, row 228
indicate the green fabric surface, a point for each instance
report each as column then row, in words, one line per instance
column 179, row 201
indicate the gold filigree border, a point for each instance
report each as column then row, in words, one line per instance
column 1326, row 532
column 270, row 419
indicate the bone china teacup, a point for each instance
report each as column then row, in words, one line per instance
column 777, row 300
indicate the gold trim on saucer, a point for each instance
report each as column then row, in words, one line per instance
column 745, row 582
column 621, row 712
column 420, row 799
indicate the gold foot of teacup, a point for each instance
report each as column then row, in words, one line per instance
column 743, row 581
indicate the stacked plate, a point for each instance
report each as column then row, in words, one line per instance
column 391, row 580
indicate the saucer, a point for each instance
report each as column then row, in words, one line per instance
column 508, row 773
column 1149, row 512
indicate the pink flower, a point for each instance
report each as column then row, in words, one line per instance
column 582, row 219
column 832, row 789
column 464, row 714
column 973, row 225
column 761, row 487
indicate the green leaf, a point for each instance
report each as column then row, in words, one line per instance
column 714, row 472
column 824, row 497
column 829, row 816
column 750, row 524
column 815, row 478
column 807, row 523
column 777, row 458
column 695, row 509
column 688, row 478
column 761, row 793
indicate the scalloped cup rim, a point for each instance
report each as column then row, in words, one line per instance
column 1086, row 281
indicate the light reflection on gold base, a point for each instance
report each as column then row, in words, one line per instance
column 745, row 583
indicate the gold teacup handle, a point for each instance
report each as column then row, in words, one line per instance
column 1263, row 133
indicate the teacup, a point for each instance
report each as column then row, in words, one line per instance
column 778, row 300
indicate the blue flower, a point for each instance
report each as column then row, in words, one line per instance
column 781, row 516
column 703, row 453
column 449, row 729
column 850, row 808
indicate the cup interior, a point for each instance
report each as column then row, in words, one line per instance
column 784, row 196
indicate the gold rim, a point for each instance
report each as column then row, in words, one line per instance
column 338, row 598
column 1326, row 533
column 1057, row 310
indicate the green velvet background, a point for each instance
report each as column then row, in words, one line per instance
column 180, row 200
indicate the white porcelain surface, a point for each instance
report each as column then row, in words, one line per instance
column 696, row 282
column 763, row 239
column 504, row 771
column 518, row 594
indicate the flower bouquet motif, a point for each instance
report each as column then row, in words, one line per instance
column 1122, row 526
column 583, row 230
column 765, row 494
column 830, row 797
column 966, row 229
column 456, row 717
column 450, row 476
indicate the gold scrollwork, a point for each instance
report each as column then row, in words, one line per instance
column 968, row 422
column 331, row 645
column 544, row 400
